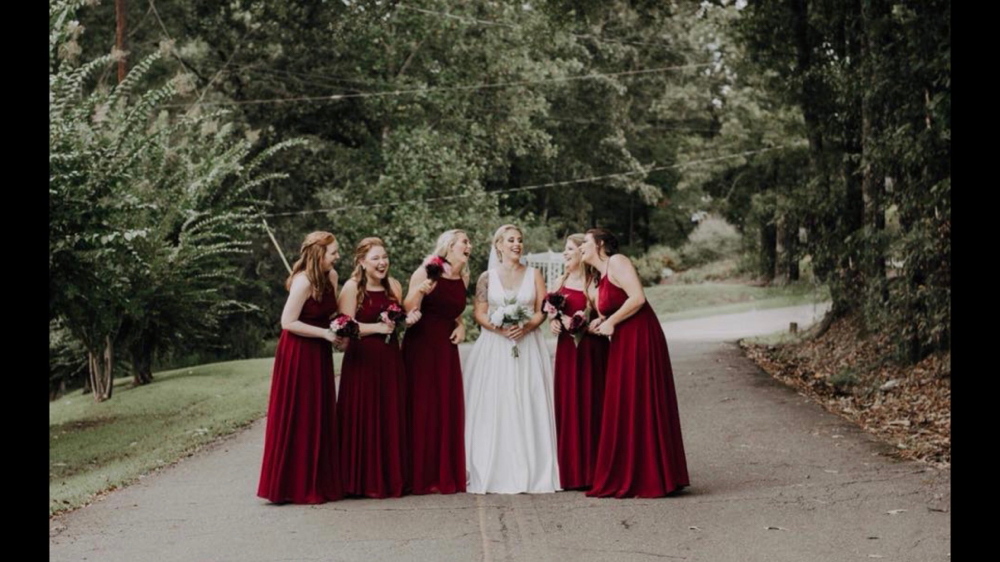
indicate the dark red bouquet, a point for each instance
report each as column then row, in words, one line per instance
column 553, row 304
column 578, row 325
column 435, row 266
column 345, row 327
column 393, row 313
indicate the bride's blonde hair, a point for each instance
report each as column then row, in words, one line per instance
column 498, row 237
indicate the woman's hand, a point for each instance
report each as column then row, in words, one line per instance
column 458, row 334
column 413, row 317
column 340, row 342
column 515, row 333
column 427, row 286
column 605, row 329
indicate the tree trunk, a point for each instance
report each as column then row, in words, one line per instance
column 781, row 241
column 786, row 262
column 142, row 361
column 101, row 379
column 121, row 23
column 768, row 245
column 55, row 393
column 853, row 143
column 872, row 179
column 808, row 96
column 792, row 242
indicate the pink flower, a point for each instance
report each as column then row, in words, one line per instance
column 345, row 326
column 553, row 304
column 578, row 325
column 435, row 266
column 393, row 314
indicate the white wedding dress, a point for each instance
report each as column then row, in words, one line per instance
column 510, row 429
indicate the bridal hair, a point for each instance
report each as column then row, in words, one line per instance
column 311, row 262
column 358, row 274
column 498, row 237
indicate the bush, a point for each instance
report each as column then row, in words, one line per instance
column 713, row 239
column 722, row 270
column 650, row 265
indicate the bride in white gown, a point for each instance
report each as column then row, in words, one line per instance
column 510, row 430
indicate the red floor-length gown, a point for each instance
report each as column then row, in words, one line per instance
column 641, row 453
column 579, row 398
column 301, row 455
column 434, row 392
column 371, row 410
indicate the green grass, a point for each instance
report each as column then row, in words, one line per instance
column 97, row 447
column 680, row 302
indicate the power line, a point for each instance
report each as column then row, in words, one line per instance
column 531, row 187
column 337, row 97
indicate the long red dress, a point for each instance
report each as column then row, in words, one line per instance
column 579, row 398
column 371, row 411
column 641, row 453
column 301, row 457
column 436, row 401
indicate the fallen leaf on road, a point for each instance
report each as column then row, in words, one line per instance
column 895, row 511
column 776, row 528
column 889, row 385
column 692, row 528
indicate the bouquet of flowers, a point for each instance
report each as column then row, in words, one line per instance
column 578, row 325
column 435, row 266
column 393, row 313
column 510, row 314
column 344, row 326
column 553, row 305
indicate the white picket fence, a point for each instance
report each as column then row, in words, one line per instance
column 550, row 264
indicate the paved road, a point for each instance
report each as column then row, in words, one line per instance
column 774, row 477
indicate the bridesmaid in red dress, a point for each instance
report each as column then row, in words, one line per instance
column 579, row 375
column 301, row 458
column 435, row 397
column 372, row 407
column 641, row 453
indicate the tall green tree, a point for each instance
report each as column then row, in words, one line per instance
column 147, row 210
column 872, row 80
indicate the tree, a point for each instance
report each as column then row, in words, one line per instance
column 873, row 83
column 146, row 210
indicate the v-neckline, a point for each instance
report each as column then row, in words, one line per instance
column 519, row 287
